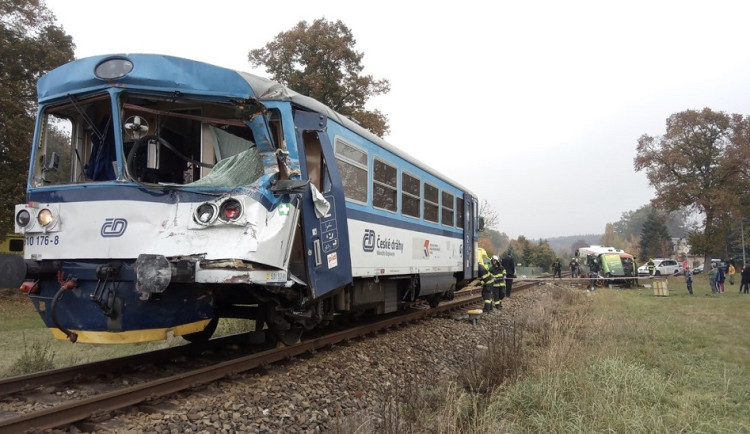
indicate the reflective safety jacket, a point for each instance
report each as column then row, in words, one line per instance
column 485, row 276
column 498, row 273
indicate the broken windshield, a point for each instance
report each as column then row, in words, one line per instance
column 160, row 140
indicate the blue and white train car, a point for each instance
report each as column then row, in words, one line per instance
column 166, row 193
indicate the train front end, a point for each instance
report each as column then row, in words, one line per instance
column 160, row 193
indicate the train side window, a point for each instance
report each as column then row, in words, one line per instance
column 352, row 164
column 409, row 195
column 447, row 208
column 54, row 152
column 384, row 185
column 431, row 196
column 459, row 212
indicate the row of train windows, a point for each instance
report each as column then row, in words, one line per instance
column 436, row 206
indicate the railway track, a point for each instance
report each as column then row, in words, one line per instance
column 100, row 405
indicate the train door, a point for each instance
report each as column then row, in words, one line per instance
column 469, row 250
column 325, row 233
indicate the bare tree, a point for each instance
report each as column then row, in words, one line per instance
column 489, row 214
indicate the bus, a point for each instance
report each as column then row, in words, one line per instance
column 611, row 263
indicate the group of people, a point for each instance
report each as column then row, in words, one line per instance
column 717, row 277
column 497, row 282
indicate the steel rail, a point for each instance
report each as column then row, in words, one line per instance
column 71, row 412
column 75, row 411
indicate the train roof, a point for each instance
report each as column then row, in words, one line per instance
column 197, row 77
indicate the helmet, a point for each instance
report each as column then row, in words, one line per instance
column 495, row 258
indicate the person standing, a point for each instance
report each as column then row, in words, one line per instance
column 510, row 272
column 651, row 266
column 628, row 269
column 498, row 284
column 485, row 277
column 594, row 273
column 745, row 282
column 730, row 272
column 689, row 280
column 573, row 268
column 720, row 278
column 557, row 269
column 712, row 280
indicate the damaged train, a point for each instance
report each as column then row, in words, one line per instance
column 165, row 193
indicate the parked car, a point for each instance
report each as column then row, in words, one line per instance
column 663, row 267
column 700, row 268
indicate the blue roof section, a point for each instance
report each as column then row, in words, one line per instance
column 198, row 78
column 148, row 72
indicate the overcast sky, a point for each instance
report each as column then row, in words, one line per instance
column 535, row 106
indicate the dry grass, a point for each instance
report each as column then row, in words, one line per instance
column 610, row 361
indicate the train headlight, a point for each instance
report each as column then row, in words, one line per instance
column 205, row 214
column 23, row 218
column 45, row 218
column 113, row 68
column 230, row 210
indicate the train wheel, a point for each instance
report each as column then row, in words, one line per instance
column 203, row 335
column 289, row 337
column 435, row 300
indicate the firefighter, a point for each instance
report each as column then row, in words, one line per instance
column 486, row 278
column 651, row 267
column 498, row 285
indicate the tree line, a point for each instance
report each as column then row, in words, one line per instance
column 698, row 167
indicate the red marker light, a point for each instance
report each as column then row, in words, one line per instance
column 230, row 210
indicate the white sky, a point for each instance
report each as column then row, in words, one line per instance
column 535, row 106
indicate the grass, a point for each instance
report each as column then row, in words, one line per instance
column 617, row 361
column 26, row 345
column 646, row 364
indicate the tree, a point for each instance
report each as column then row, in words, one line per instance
column 578, row 244
column 319, row 61
column 489, row 214
column 542, row 255
column 655, row 240
column 494, row 241
column 611, row 238
column 524, row 246
column 30, row 45
column 695, row 165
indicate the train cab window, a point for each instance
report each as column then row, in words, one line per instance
column 447, row 205
column 189, row 142
column 409, row 195
column 384, row 185
column 431, row 196
column 158, row 140
column 459, row 212
column 352, row 164
column 75, row 143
